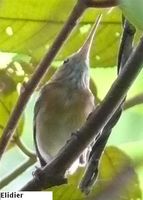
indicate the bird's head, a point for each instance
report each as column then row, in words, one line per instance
column 75, row 69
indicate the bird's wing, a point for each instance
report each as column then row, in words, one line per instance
column 36, row 110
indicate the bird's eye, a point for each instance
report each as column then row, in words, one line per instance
column 66, row 61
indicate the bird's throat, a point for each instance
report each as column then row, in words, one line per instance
column 75, row 77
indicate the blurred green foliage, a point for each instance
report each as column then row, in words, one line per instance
column 133, row 10
column 27, row 29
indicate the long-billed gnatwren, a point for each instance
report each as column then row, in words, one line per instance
column 64, row 103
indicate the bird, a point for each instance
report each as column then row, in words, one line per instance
column 64, row 103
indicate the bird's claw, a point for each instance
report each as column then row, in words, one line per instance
column 36, row 174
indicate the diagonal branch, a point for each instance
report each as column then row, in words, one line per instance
column 23, row 148
column 136, row 100
column 53, row 174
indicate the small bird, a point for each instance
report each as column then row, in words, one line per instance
column 64, row 103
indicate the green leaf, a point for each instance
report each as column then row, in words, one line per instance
column 29, row 27
column 113, row 160
column 129, row 128
column 133, row 10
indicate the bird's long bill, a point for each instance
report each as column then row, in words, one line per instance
column 85, row 49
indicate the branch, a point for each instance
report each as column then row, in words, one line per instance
column 126, row 46
column 53, row 173
column 17, row 172
column 91, row 173
column 16, row 138
column 136, row 100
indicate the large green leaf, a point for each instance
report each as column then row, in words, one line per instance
column 112, row 162
column 30, row 26
column 8, row 98
column 133, row 10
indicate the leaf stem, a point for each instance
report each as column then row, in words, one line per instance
column 136, row 100
column 23, row 148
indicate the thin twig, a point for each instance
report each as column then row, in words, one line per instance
column 91, row 172
column 17, row 172
column 16, row 138
column 23, row 148
column 53, row 173
column 136, row 100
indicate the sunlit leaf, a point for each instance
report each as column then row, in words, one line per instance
column 113, row 160
column 30, row 26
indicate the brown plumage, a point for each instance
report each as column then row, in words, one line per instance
column 64, row 103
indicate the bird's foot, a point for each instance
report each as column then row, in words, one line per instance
column 75, row 134
column 36, row 174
